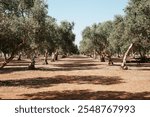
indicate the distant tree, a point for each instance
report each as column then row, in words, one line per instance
column 116, row 42
column 67, row 37
column 95, row 39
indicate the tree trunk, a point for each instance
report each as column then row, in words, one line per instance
column 94, row 54
column 102, row 58
column 45, row 57
column 5, row 57
column 32, row 64
column 110, row 62
column 118, row 54
column 7, row 60
column 56, row 55
column 123, row 65
column 1, row 54
column 12, row 55
column 53, row 57
column 19, row 58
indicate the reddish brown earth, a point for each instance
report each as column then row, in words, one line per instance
column 76, row 77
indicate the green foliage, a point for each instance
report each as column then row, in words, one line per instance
column 138, row 25
column 26, row 26
column 95, row 38
column 67, row 37
column 116, row 42
column 116, row 36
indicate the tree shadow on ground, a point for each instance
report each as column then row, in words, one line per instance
column 12, row 69
column 141, row 67
column 22, row 68
column 66, row 68
column 51, row 81
column 20, row 61
column 146, row 69
column 18, row 64
column 87, row 95
column 75, row 65
column 78, row 60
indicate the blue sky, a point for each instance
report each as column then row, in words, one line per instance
column 85, row 12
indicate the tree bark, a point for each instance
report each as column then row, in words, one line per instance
column 46, row 57
column 5, row 57
column 56, row 55
column 53, row 57
column 1, row 54
column 110, row 62
column 19, row 58
column 123, row 65
column 94, row 54
column 12, row 55
column 102, row 58
column 7, row 60
column 32, row 64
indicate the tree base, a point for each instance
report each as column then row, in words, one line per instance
column 110, row 63
column 63, row 56
column 19, row 59
column 102, row 59
column 31, row 67
column 45, row 62
column 124, row 67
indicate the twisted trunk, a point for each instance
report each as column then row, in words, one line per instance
column 110, row 62
column 56, row 55
column 19, row 58
column 102, row 58
column 5, row 57
column 53, row 57
column 14, row 52
column 123, row 65
column 46, row 57
column 7, row 60
column 32, row 64
column 94, row 54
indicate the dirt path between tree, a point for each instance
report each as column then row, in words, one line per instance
column 76, row 77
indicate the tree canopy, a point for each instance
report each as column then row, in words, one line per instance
column 26, row 26
column 117, row 35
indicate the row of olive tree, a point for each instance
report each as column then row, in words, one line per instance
column 120, row 36
column 26, row 27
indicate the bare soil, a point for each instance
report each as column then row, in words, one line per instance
column 76, row 77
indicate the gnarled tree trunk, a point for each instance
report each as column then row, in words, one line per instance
column 1, row 54
column 7, row 60
column 12, row 55
column 19, row 58
column 53, row 57
column 123, row 65
column 46, row 57
column 32, row 64
column 108, row 54
column 94, row 54
column 56, row 55
column 102, row 57
column 5, row 57
column 110, row 62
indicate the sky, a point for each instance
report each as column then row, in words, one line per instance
column 85, row 12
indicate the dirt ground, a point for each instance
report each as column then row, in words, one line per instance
column 76, row 77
